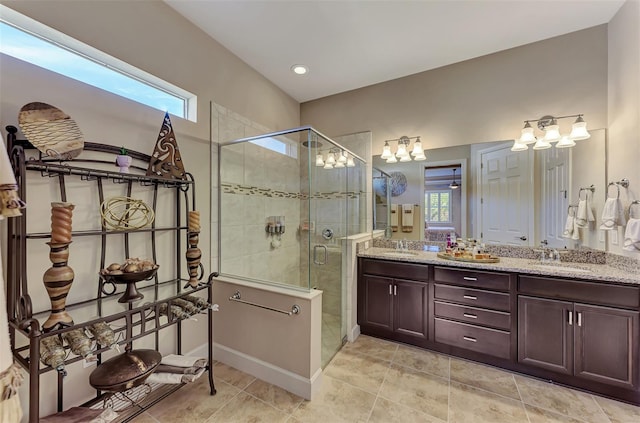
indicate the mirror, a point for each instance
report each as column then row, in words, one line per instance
column 477, row 206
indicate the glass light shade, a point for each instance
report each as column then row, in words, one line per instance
column 406, row 158
column 542, row 144
column 565, row 142
column 527, row 136
column 338, row 164
column 518, row 146
column 386, row 151
column 392, row 159
column 342, row 158
column 579, row 130
column 420, row 157
column 350, row 162
column 328, row 165
column 417, row 149
column 331, row 159
column 319, row 160
column 402, row 151
column 552, row 133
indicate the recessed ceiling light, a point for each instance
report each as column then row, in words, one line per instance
column 299, row 69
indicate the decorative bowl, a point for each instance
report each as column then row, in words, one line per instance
column 131, row 292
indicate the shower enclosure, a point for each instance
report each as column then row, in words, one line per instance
column 288, row 202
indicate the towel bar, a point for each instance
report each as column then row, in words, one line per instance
column 295, row 309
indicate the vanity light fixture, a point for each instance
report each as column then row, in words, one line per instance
column 403, row 153
column 336, row 158
column 549, row 124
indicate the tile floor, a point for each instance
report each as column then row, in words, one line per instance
column 373, row 380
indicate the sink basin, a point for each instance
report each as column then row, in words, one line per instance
column 399, row 254
column 560, row 267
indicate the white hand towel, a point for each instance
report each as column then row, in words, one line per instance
column 173, row 377
column 568, row 226
column 394, row 217
column 407, row 218
column 584, row 215
column 612, row 214
column 183, row 361
column 576, row 230
column 632, row 235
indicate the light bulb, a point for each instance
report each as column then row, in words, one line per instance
column 319, row 160
column 527, row 136
column 331, row 159
column 417, row 149
column 386, row 151
column 579, row 130
column 552, row 132
column 541, row 144
column 565, row 142
column 518, row 146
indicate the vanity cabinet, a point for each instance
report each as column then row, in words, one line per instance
column 472, row 310
column 598, row 342
column 393, row 300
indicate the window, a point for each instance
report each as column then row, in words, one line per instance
column 279, row 146
column 35, row 43
column 438, row 206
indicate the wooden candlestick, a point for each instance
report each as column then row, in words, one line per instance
column 194, row 255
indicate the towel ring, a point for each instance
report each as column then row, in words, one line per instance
column 633, row 203
column 617, row 186
column 592, row 188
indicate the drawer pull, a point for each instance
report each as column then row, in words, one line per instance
column 469, row 278
column 470, row 316
column 470, row 297
column 470, row 339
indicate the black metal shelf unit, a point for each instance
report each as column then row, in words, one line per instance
column 146, row 318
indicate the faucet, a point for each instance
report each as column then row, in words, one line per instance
column 543, row 245
column 555, row 255
column 402, row 245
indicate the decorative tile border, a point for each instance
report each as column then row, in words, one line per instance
column 268, row 192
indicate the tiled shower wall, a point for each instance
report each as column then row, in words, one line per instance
column 255, row 183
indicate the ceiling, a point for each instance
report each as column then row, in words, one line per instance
column 356, row 43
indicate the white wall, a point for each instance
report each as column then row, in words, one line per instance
column 624, row 105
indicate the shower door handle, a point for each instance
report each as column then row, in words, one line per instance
column 315, row 254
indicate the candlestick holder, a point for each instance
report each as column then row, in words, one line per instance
column 194, row 255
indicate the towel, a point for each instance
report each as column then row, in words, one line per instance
column 612, row 214
column 394, row 217
column 632, row 235
column 568, row 226
column 584, row 215
column 159, row 377
column 407, row 218
column 183, row 361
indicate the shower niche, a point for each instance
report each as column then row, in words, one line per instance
column 314, row 184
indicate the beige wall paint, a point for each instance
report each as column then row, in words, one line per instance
column 150, row 36
column 624, row 105
column 479, row 100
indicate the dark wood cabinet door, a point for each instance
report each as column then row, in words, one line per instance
column 545, row 334
column 410, row 308
column 377, row 304
column 606, row 345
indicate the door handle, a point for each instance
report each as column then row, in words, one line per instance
column 571, row 318
column 395, row 290
column 315, row 254
column 580, row 318
column 390, row 291
column 523, row 238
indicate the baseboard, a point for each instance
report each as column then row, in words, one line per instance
column 354, row 333
column 291, row 382
column 199, row 351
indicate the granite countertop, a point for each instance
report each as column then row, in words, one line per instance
column 586, row 271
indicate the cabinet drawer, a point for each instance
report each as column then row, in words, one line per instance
column 474, row 278
column 394, row 269
column 581, row 291
column 473, row 297
column 474, row 315
column 484, row 340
